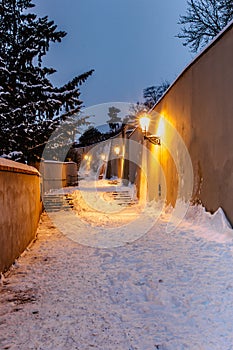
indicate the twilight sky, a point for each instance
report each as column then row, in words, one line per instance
column 131, row 45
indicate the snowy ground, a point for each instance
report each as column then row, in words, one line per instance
column 163, row 291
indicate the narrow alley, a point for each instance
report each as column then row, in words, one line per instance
column 163, row 291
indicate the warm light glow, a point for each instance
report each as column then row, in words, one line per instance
column 144, row 121
column 103, row 157
column 161, row 127
column 117, row 150
column 86, row 157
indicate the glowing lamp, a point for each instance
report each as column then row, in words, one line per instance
column 117, row 150
column 144, row 123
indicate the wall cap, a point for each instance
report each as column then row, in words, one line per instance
column 11, row 166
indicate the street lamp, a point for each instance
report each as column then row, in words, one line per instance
column 87, row 159
column 119, row 160
column 117, row 150
column 144, row 123
column 103, row 157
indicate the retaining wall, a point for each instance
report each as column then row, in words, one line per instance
column 200, row 106
column 20, row 205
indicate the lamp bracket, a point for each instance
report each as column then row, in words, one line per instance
column 156, row 140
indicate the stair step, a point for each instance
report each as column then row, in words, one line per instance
column 57, row 202
column 122, row 198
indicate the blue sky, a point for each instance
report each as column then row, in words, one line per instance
column 131, row 45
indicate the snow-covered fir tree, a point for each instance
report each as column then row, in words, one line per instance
column 31, row 107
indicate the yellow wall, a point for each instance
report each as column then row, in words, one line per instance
column 20, row 206
column 199, row 105
column 57, row 174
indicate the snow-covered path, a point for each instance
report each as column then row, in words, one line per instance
column 163, row 291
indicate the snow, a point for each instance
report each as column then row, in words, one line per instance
column 14, row 155
column 97, row 217
column 164, row 290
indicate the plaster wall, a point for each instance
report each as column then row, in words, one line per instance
column 57, row 174
column 20, row 205
column 200, row 106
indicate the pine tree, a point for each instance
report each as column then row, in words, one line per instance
column 114, row 121
column 90, row 136
column 31, row 107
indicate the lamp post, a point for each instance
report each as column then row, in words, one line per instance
column 103, row 167
column 117, row 151
column 87, row 158
column 144, row 122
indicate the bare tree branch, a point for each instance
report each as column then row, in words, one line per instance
column 203, row 20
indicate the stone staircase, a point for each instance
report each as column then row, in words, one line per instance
column 57, row 202
column 122, row 198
